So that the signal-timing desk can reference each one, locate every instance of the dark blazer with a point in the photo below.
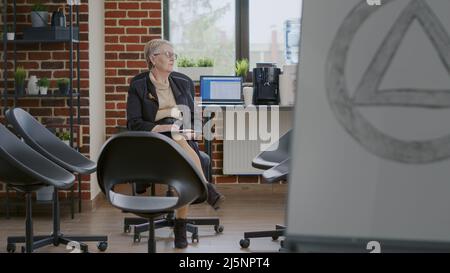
(142, 102)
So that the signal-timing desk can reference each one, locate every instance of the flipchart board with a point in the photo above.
(371, 146)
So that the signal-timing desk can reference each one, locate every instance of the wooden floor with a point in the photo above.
(241, 212)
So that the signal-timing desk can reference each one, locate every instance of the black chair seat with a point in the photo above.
(47, 144)
(267, 163)
(274, 155)
(277, 173)
(22, 166)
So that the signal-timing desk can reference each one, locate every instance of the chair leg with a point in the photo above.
(7, 202)
(28, 225)
(151, 236)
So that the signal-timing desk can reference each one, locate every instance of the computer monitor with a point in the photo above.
(221, 89)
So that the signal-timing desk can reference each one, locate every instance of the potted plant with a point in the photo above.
(194, 69)
(63, 86)
(205, 62)
(10, 34)
(39, 15)
(65, 137)
(43, 84)
(19, 77)
(241, 69)
(205, 66)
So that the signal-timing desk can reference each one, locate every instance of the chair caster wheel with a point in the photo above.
(274, 237)
(102, 246)
(245, 243)
(195, 238)
(137, 238)
(11, 248)
(218, 228)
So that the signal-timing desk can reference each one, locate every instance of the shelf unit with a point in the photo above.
(73, 95)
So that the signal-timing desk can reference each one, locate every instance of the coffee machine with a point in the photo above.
(266, 84)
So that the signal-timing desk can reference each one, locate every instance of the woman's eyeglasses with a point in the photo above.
(168, 54)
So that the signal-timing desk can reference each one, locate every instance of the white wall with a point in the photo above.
(96, 83)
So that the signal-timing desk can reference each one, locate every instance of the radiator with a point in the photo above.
(238, 154)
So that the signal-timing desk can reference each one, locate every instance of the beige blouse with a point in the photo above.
(167, 105)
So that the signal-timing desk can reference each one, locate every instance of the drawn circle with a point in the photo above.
(372, 139)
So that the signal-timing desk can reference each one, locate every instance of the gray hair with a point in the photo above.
(152, 47)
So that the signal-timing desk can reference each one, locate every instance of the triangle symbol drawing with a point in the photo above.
(368, 92)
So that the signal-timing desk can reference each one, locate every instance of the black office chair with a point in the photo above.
(50, 146)
(141, 224)
(275, 161)
(143, 157)
(25, 170)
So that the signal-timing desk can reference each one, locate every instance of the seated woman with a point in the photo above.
(152, 102)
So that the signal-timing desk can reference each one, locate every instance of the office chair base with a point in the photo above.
(275, 234)
(72, 242)
(142, 225)
(56, 238)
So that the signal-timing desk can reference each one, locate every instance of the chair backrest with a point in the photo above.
(21, 166)
(48, 144)
(149, 158)
(275, 154)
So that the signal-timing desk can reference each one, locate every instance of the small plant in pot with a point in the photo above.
(19, 77)
(241, 69)
(43, 84)
(194, 69)
(65, 137)
(185, 62)
(10, 35)
(205, 62)
(63, 86)
(39, 15)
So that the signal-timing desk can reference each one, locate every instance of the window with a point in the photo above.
(274, 31)
(264, 30)
(204, 28)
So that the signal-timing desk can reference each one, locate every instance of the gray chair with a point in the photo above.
(25, 170)
(46, 143)
(143, 157)
(275, 161)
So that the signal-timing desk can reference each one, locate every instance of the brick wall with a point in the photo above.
(128, 26)
(52, 61)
